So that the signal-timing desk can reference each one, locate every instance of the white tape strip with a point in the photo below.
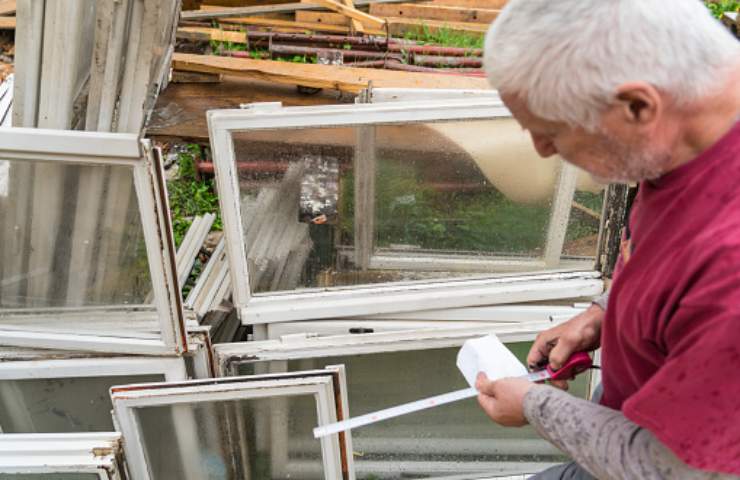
(406, 408)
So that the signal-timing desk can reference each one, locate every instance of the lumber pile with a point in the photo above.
(278, 42)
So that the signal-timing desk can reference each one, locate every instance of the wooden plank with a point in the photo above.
(356, 25)
(295, 26)
(326, 18)
(369, 20)
(487, 4)
(7, 7)
(435, 12)
(400, 26)
(207, 11)
(397, 26)
(7, 23)
(347, 79)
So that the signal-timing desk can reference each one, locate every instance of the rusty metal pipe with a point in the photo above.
(437, 61)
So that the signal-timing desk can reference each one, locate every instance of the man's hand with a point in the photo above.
(503, 400)
(556, 345)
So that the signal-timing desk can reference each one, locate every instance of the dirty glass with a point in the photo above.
(61, 405)
(49, 476)
(582, 235)
(450, 439)
(445, 199)
(71, 236)
(262, 439)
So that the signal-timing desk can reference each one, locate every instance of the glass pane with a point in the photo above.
(61, 405)
(581, 238)
(71, 236)
(443, 199)
(451, 439)
(49, 476)
(269, 438)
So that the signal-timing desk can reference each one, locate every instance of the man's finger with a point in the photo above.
(483, 385)
(540, 350)
(567, 345)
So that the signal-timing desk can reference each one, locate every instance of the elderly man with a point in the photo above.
(638, 91)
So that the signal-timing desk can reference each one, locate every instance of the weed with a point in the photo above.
(445, 36)
(719, 8)
(190, 196)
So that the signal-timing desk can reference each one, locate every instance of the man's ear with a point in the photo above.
(638, 103)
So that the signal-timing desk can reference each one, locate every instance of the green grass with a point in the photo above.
(719, 8)
(190, 196)
(445, 37)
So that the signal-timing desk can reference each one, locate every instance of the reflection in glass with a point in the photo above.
(466, 191)
(61, 405)
(446, 440)
(71, 236)
(261, 439)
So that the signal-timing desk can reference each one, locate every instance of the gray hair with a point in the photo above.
(567, 57)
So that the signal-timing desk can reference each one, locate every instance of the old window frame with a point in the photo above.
(310, 304)
(72, 453)
(276, 353)
(318, 383)
(106, 149)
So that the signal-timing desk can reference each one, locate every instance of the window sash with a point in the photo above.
(319, 384)
(101, 149)
(81, 453)
(309, 304)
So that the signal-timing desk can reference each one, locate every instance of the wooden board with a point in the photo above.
(181, 108)
(397, 26)
(7, 23)
(368, 20)
(346, 79)
(356, 25)
(487, 4)
(434, 12)
(7, 7)
(285, 25)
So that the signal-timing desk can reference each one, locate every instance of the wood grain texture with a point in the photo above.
(357, 27)
(7, 23)
(367, 19)
(396, 25)
(345, 79)
(487, 4)
(285, 25)
(434, 12)
(7, 7)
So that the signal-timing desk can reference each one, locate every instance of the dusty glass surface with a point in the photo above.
(447, 440)
(61, 405)
(582, 235)
(439, 193)
(71, 236)
(49, 476)
(264, 439)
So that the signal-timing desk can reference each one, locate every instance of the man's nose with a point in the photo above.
(544, 146)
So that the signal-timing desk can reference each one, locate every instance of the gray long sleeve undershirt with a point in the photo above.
(603, 441)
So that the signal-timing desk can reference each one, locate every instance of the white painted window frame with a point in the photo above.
(301, 347)
(374, 299)
(74, 453)
(276, 353)
(101, 149)
(319, 384)
(472, 317)
(26, 365)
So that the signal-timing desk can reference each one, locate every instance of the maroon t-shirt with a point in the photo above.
(671, 338)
